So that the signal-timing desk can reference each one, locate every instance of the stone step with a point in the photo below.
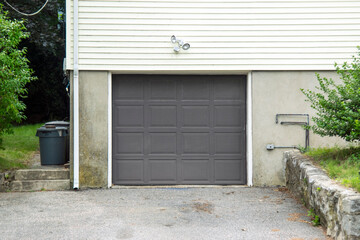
(39, 185)
(42, 174)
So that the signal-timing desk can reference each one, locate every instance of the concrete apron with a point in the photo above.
(177, 186)
(156, 213)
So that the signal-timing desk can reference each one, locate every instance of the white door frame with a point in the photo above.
(249, 153)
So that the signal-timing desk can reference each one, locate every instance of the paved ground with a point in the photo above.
(161, 213)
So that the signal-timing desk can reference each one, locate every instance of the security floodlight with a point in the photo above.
(180, 44)
(186, 46)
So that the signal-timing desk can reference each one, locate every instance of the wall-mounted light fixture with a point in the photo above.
(180, 44)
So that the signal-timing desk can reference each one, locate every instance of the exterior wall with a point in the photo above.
(231, 37)
(93, 136)
(274, 93)
(235, 35)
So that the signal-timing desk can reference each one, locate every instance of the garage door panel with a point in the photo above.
(195, 89)
(162, 90)
(229, 116)
(162, 171)
(229, 143)
(196, 116)
(196, 170)
(163, 116)
(131, 170)
(162, 143)
(231, 89)
(128, 89)
(196, 143)
(129, 143)
(179, 129)
(228, 170)
(129, 116)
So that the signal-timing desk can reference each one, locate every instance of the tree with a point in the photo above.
(46, 98)
(338, 105)
(14, 72)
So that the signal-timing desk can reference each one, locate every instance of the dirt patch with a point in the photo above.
(296, 217)
(271, 200)
(229, 193)
(203, 207)
(281, 189)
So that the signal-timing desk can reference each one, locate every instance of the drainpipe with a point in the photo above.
(76, 96)
(249, 152)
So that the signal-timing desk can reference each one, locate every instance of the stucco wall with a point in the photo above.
(273, 92)
(279, 93)
(93, 136)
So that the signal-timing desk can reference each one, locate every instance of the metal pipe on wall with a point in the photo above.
(76, 97)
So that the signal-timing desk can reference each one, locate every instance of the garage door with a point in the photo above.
(178, 129)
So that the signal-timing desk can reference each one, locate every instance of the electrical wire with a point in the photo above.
(27, 14)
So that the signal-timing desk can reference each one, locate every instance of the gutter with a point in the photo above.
(76, 95)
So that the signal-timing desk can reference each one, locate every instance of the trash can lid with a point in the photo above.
(57, 131)
(58, 123)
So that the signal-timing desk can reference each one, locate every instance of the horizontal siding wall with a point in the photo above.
(237, 35)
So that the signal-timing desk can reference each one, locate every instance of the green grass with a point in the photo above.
(19, 147)
(342, 164)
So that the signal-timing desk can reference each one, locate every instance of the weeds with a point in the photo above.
(18, 147)
(315, 219)
(341, 164)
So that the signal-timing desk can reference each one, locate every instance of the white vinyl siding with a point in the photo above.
(230, 35)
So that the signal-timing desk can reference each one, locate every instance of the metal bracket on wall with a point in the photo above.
(301, 123)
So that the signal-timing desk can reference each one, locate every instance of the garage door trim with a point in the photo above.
(249, 162)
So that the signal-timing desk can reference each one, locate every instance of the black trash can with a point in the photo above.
(52, 145)
(67, 143)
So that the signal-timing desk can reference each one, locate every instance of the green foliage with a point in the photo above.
(315, 219)
(303, 149)
(19, 147)
(46, 98)
(338, 105)
(342, 164)
(14, 72)
(305, 181)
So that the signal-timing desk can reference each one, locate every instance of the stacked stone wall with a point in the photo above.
(338, 207)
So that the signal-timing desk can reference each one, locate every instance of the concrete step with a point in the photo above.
(38, 185)
(42, 174)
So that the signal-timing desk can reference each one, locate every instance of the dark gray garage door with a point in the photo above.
(174, 129)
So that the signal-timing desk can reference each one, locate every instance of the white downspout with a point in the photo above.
(76, 95)
(249, 153)
(109, 130)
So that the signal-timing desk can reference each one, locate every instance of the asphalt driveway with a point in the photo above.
(156, 213)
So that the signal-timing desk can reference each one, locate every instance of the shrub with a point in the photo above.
(338, 105)
(14, 72)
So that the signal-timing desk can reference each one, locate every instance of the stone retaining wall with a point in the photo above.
(337, 206)
(5, 179)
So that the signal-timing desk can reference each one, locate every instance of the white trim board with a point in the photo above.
(109, 130)
(249, 155)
